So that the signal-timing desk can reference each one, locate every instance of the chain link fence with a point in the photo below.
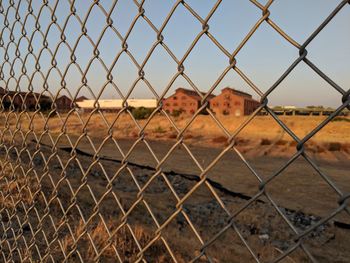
(64, 200)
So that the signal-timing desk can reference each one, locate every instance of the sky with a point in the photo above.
(263, 59)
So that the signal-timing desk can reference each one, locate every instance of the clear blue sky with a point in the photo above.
(263, 59)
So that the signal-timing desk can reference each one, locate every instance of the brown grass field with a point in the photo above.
(262, 130)
(261, 137)
(35, 179)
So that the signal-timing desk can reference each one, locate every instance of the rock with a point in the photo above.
(264, 237)
(26, 227)
(95, 174)
(38, 161)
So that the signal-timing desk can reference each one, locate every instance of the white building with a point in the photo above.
(114, 105)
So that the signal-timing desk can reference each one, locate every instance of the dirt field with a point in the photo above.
(71, 187)
(68, 200)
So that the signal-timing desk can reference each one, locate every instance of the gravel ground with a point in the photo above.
(259, 224)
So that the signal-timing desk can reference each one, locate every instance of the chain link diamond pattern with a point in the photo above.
(52, 206)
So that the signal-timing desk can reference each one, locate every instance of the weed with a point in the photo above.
(141, 113)
(265, 142)
(219, 139)
(334, 146)
(159, 129)
(339, 119)
(177, 113)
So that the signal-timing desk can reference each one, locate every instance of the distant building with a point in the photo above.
(184, 100)
(81, 98)
(115, 105)
(233, 102)
(63, 103)
(20, 100)
(289, 107)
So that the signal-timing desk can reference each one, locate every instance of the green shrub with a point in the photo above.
(159, 129)
(141, 113)
(334, 147)
(177, 113)
(341, 119)
(265, 141)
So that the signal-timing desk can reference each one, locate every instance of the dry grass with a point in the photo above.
(262, 128)
(89, 242)
(113, 240)
(219, 139)
(107, 243)
(332, 139)
(15, 187)
(203, 125)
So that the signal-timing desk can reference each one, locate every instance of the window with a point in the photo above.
(174, 98)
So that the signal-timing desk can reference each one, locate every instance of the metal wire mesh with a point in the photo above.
(61, 204)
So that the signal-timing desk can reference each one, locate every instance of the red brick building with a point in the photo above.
(233, 102)
(63, 103)
(184, 100)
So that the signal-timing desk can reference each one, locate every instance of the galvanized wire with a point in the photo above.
(27, 205)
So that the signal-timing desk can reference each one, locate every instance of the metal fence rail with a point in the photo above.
(53, 207)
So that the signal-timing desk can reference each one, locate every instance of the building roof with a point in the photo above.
(237, 92)
(63, 97)
(81, 98)
(22, 93)
(193, 93)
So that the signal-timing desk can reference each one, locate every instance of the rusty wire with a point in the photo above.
(39, 245)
